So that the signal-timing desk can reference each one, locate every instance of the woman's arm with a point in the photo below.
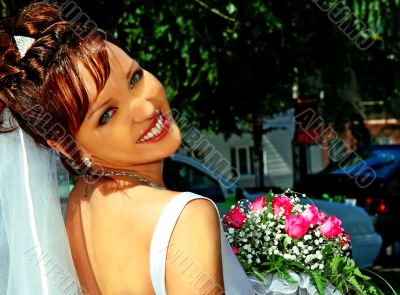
(194, 264)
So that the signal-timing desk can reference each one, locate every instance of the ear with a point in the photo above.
(59, 148)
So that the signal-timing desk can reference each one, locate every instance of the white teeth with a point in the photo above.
(154, 131)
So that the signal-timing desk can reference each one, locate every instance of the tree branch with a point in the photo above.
(216, 11)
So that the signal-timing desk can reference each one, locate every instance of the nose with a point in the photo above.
(141, 110)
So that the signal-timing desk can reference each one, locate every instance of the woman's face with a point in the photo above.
(115, 130)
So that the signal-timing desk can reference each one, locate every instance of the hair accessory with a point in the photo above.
(23, 44)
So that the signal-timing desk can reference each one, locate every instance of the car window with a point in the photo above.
(196, 178)
(382, 161)
(184, 177)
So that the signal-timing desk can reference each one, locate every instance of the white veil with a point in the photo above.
(35, 255)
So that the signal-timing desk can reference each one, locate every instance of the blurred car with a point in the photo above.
(371, 177)
(365, 242)
(184, 173)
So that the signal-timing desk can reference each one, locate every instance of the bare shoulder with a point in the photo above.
(200, 211)
(195, 251)
(199, 220)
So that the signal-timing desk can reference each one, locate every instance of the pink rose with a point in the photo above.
(282, 202)
(258, 204)
(235, 218)
(235, 250)
(312, 215)
(323, 216)
(296, 226)
(331, 227)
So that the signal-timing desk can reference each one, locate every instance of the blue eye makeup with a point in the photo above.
(107, 116)
(137, 75)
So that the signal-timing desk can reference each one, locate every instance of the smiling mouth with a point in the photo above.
(157, 131)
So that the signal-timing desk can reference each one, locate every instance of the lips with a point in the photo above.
(156, 129)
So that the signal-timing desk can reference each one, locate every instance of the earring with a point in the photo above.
(86, 160)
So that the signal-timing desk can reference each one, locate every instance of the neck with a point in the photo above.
(151, 171)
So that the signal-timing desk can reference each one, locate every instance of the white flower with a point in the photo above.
(314, 266)
(231, 230)
(258, 260)
(249, 256)
(295, 250)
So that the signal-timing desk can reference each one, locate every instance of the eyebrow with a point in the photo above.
(99, 108)
(128, 76)
(107, 100)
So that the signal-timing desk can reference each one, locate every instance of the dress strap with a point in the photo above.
(162, 235)
(235, 279)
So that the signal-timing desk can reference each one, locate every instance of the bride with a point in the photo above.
(65, 86)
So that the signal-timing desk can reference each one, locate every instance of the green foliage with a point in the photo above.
(346, 276)
(281, 266)
(319, 281)
(341, 272)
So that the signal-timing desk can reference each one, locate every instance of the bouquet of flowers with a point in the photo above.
(277, 236)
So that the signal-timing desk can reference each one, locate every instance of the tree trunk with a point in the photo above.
(258, 149)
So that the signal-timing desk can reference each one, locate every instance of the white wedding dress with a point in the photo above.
(236, 281)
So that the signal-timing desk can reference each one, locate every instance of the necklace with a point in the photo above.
(134, 175)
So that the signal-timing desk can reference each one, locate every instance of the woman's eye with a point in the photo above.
(136, 77)
(106, 116)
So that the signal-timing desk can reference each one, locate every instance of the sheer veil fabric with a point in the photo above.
(35, 256)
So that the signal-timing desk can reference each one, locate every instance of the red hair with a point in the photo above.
(44, 90)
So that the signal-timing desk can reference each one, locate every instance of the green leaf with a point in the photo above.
(269, 198)
(354, 282)
(287, 241)
(319, 282)
(358, 273)
(231, 8)
(284, 273)
(259, 275)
